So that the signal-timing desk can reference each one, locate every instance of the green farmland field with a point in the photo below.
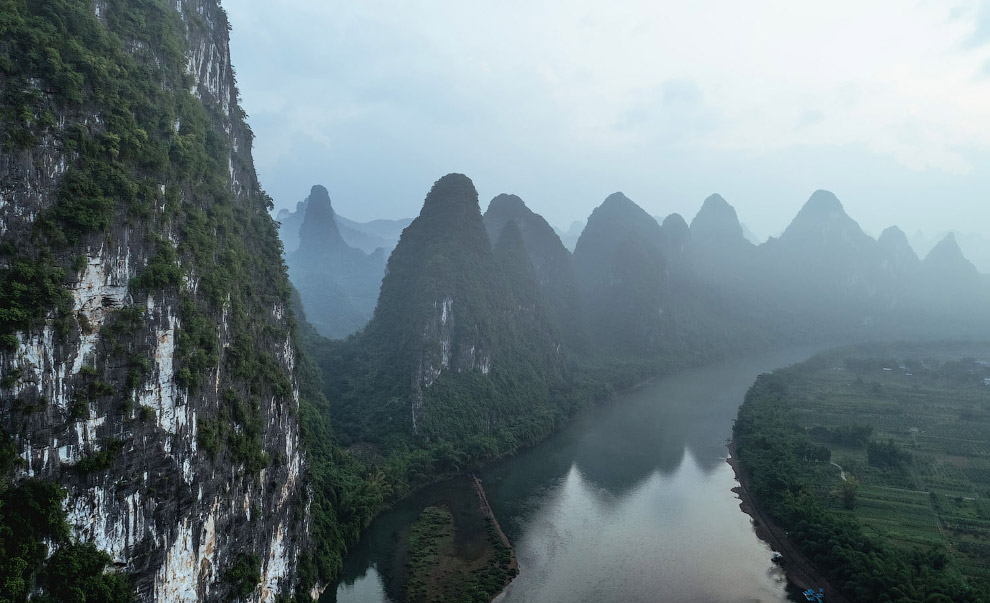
(909, 424)
(933, 404)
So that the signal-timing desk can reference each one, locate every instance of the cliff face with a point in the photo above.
(160, 389)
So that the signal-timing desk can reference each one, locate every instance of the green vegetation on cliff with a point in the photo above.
(458, 364)
(346, 494)
(38, 557)
(127, 152)
(908, 424)
(153, 144)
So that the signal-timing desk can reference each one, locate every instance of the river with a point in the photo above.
(631, 502)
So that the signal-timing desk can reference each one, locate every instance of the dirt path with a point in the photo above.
(800, 571)
(486, 510)
(842, 472)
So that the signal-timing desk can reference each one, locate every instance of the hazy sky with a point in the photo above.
(886, 103)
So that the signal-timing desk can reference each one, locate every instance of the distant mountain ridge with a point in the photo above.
(823, 272)
(975, 247)
(551, 261)
(337, 283)
(570, 236)
(488, 333)
(366, 236)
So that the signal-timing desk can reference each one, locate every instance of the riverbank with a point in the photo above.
(609, 447)
(800, 571)
(486, 511)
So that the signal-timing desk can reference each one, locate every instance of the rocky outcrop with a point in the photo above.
(435, 304)
(141, 392)
(462, 348)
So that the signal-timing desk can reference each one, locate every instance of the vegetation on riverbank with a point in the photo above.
(909, 426)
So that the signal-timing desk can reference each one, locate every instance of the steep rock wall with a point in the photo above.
(98, 393)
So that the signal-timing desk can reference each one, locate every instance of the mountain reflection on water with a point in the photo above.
(631, 502)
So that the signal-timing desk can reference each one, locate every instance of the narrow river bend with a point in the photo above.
(631, 502)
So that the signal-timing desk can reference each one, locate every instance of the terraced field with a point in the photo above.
(932, 404)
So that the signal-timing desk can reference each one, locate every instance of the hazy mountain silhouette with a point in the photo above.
(896, 252)
(571, 235)
(948, 278)
(825, 263)
(366, 236)
(677, 244)
(721, 252)
(338, 284)
(550, 259)
(976, 247)
(621, 270)
(369, 236)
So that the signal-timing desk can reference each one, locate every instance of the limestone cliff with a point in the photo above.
(147, 356)
(461, 350)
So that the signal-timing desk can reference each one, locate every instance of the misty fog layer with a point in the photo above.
(822, 275)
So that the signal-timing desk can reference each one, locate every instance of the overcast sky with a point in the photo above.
(886, 103)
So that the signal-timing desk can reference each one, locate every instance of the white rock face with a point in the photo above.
(439, 355)
(178, 579)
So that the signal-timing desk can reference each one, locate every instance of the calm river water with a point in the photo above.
(631, 502)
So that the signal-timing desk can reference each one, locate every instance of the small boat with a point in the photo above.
(813, 595)
(777, 558)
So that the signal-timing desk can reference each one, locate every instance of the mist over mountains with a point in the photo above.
(337, 283)
(976, 247)
(488, 332)
(627, 269)
(199, 403)
(366, 236)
